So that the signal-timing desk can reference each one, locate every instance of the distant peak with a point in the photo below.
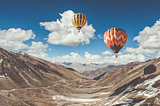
(21, 52)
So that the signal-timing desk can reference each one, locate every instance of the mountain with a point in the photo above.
(98, 73)
(23, 70)
(137, 85)
(82, 67)
(25, 78)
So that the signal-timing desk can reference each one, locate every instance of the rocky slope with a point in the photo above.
(25, 79)
(22, 70)
(137, 85)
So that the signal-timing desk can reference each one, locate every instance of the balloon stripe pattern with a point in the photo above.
(115, 39)
(79, 20)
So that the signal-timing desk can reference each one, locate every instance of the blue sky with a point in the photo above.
(43, 28)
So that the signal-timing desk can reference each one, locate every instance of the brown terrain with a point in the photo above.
(30, 81)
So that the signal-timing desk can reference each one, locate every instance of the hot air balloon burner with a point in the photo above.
(116, 55)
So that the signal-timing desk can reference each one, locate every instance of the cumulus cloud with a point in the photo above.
(18, 34)
(148, 41)
(107, 53)
(89, 58)
(73, 57)
(12, 45)
(62, 32)
(140, 50)
(12, 39)
(92, 57)
(38, 49)
(125, 58)
(149, 38)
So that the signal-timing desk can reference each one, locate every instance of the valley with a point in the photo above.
(30, 81)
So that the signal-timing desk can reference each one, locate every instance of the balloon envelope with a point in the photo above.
(115, 39)
(79, 20)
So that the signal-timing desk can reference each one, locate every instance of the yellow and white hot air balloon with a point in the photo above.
(79, 20)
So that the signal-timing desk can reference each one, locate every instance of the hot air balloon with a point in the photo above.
(79, 20)
(115, 39)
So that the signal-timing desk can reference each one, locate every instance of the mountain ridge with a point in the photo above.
(82, 67)
(26, 71)
(132, 85)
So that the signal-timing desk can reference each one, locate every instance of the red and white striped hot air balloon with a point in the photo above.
(115, 39)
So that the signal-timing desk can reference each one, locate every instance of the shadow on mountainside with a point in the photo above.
(149, 69)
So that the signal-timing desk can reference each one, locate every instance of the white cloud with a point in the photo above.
(73, 57)
(107, 53)
(62, 32)
(158, 54)
(111, 59)
(149, 41)
(41, 55)
(92, 57)
(12, 45)
(132, 57)
(12, 39)
(100, 36)
(125, 58)
(18, 34)
(149, 38)
(38, 49)
(140, 50)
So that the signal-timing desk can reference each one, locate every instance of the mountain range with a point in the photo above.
(98, 73)
(26, 80)
(82, 67)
